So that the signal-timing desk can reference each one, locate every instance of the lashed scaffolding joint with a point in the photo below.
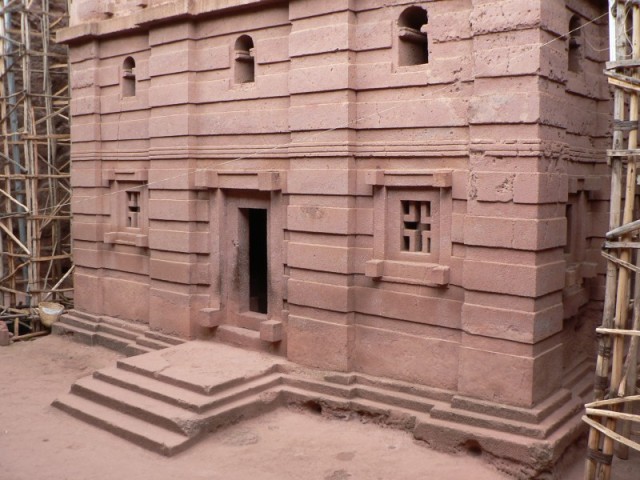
(35, 263)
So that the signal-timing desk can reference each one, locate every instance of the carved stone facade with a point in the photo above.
(412, 190)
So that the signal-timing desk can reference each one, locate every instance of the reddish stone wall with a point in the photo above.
(483, 148)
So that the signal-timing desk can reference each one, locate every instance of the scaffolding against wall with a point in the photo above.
(35, 190)
(612, 416)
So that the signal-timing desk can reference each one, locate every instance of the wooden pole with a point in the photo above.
(604, 347)
(622, 294)
(34, 166)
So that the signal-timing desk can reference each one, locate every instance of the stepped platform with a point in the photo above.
(166, 400)
(128, 338)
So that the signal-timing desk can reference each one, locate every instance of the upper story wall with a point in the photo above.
(512, 65)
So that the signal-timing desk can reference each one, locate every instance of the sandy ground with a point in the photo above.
(38, 442)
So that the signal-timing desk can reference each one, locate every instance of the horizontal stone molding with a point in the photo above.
(431, 149)
(126, 175)
(268, 181)
(409, 178)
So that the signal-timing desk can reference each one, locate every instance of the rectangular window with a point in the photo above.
(129, 216)
(415, 244)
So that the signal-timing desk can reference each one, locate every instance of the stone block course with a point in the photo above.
(511, 324)
(289, 188)
(322, 39)
(521, 234)
(523, 280)
(391, 354)
(333, 353)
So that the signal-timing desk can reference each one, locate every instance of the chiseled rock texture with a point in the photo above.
(411, 190)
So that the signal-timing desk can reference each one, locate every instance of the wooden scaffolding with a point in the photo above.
(35, 263)
(612, 416)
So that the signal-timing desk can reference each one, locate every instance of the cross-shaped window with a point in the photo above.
(416, 231)
(133, 209)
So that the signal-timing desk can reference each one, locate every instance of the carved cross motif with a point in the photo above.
(416, 232)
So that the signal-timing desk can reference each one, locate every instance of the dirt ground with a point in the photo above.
(38, 442)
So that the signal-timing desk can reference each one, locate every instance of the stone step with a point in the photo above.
(449, 436)
(125, 337)
(112, 342)
(542, 430)
(169, 339)
(359, 392)
(397, 416)
(157, 412)
(118, 331)
(151, 343)
(78, 334)
(396, 399)
(251, 320)
(576, 375)
(421, 391)
(241, 337)
(533, 415)
(584, 389)
(84, 315)
(487, 421)
(141, 433)
(140, 369)
(318, 387)
(242, 409)
(74, 321)
(140, 328)
(154, 388)
(181, 397)
(154, 424)
(562, 415)
(133, 349)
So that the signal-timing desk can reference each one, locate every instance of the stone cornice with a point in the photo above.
(144, 18)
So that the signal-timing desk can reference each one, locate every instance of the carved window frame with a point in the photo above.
(122, 183)
(391, 262)
(579, 265)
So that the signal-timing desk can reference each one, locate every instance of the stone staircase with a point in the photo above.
(579, 379)
(165, 405)
(122, 336)
(159, 415)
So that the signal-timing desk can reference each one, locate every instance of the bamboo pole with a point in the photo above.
(628, 382)
(34, 165)
(603, 361)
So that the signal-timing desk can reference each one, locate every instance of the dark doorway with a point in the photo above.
(258, 299)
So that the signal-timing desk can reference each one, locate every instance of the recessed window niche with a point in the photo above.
(413, 45)
(245, 62)
(129, 77)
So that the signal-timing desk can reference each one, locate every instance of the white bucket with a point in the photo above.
(49, 312)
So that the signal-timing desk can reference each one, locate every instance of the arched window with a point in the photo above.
(129, 77)
(575, 45)
(413, 46)
(245, 62)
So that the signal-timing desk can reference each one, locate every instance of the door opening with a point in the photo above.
(258, 254)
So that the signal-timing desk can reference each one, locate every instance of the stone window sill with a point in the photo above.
(415, 273)
(135, 239)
